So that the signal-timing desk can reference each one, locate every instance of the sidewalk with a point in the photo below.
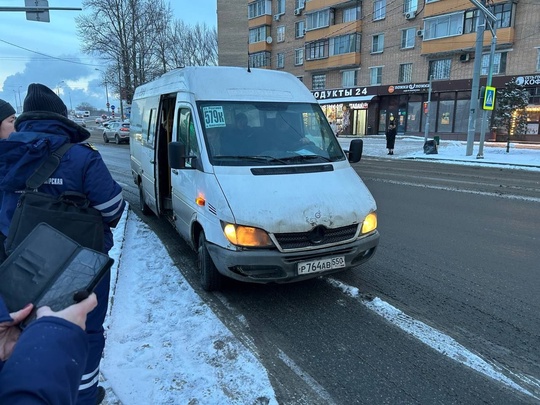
(525, 156)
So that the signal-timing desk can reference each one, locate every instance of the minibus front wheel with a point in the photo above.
(209, 276)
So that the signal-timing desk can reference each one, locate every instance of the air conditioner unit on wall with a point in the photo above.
(420, 33)
(410, 15)
(464, 57)
(276, 17)
(297, 11)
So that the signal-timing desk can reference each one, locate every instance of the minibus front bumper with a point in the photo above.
(273, 266)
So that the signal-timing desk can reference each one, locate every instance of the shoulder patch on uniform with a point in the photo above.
(89, 145)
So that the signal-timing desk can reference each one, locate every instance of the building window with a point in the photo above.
(318, 82)
(299, 56)
(410, 6)
(280, 61)
(299, 3)
(351, 14)
(471, 18)
(405, 73)
(377, 43)
(259, 59)
(299, 29)
(281, 33)
(259, 7)
(440, 69)
(503, 12)
(379, 9)
(317, 50)
(375, 75)
(499, 63)
(259, 34)
(280, 6)
(318, 19)
(348, 78)
(344, 44)
(444, 26)
(407, 38)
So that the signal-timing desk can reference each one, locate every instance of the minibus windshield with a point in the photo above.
(244, 133)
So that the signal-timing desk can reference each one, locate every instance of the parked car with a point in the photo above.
(117, 131)
(99, 120)
(80, 121)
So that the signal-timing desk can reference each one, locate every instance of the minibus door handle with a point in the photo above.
(174, 171)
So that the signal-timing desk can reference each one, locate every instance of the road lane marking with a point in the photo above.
(438, 341)
(484, 193)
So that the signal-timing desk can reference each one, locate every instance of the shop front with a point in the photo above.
(368, 110)
(348, 108)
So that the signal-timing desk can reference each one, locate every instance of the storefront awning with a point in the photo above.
(357, 99)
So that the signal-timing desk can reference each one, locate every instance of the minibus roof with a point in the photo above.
(229, 83)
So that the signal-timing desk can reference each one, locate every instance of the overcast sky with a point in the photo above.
(49, 53)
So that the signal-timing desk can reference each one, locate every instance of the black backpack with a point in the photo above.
(70, 212)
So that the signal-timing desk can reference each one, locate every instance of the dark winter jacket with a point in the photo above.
(81, 169)
(46, 365)
(391, 133)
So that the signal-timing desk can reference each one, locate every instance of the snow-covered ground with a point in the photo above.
(166, 346)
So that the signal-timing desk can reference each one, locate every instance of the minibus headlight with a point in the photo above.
(246, 236)
(370, 223)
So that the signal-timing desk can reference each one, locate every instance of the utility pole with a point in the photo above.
(493, 30)
(120, 93)
(480, 28)
(426, 127)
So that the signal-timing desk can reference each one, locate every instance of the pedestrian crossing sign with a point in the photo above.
(489, 98)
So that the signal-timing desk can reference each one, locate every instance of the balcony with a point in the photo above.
(345, 60)
(318, 4)
(333, 30)
(505, 36)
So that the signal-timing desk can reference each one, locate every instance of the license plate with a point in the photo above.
(315, 266)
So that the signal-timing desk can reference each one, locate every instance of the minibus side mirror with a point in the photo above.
(177, 155)
(355, 150)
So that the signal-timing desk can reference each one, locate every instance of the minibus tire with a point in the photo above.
(145, 209)
(209, 276)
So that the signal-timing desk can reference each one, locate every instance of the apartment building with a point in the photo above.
(367, 61)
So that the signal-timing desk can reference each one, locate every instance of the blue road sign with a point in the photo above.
(112, 107)
(489, 98)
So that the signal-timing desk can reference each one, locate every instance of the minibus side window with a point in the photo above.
(186, 134)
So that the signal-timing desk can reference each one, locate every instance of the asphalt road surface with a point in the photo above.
(459, 251)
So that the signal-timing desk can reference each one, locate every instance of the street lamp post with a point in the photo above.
(19, 110)
(106, 90)
(120, 91)
(58, 87)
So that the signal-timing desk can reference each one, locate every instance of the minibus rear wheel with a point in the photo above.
(209, 276)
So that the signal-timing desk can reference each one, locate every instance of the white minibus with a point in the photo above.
(246, 167)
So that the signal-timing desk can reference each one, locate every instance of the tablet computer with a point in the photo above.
(48, 268)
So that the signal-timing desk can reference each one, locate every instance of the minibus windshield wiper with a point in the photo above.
(301, 158)
(263, 158)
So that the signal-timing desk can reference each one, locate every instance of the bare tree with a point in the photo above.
(139, 40)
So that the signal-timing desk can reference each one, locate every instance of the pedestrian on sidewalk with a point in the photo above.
(391, 136)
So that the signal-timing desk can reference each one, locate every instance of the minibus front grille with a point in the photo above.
(325, 236)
